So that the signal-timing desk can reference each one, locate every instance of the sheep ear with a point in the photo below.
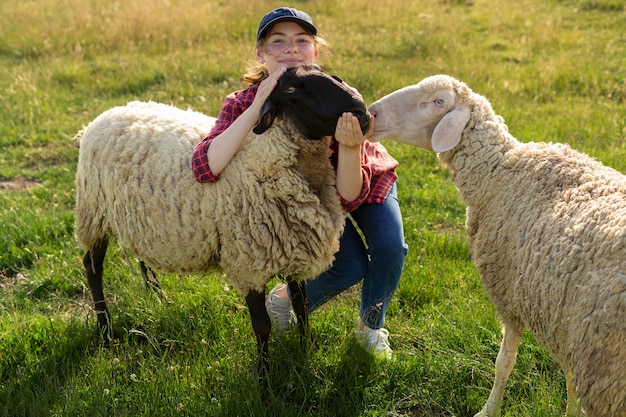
(447, 133)
(266, 117)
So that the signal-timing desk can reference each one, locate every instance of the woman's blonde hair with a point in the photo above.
(256, 71)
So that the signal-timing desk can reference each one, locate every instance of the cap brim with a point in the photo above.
(301, 22)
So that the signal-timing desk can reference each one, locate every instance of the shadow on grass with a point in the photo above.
(51, 366)
(314, 382)
(36, 363)
(349, 380)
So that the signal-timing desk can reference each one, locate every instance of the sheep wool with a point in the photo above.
(546, 228)
(293, 217)
(266, 215)
(275, 210)
(134, 175)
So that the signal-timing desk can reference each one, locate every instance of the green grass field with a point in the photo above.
(554, 69)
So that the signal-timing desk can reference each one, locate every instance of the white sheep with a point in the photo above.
(274, 211)
(546, 228)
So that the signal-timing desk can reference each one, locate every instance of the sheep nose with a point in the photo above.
(364, 120)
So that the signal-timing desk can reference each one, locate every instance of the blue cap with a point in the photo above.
(285, 14)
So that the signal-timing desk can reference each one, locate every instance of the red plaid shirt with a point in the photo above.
(378, 167)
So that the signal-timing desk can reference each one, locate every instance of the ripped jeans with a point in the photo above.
(378, 261)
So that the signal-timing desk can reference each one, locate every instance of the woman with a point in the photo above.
(365, 182)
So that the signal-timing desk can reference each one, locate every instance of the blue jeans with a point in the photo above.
(378, 261)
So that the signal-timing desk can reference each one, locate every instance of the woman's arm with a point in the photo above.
(349, 173)
(226, 144)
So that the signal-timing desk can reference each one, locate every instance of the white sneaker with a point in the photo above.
(375, 341)
(280, 310)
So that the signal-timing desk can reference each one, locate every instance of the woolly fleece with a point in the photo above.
(546, 228)
(275, 209)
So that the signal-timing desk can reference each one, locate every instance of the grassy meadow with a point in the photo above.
(554, 69)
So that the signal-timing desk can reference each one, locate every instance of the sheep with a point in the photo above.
(274, 212)
(546, 229)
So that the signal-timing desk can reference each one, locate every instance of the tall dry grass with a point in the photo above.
(554, 69)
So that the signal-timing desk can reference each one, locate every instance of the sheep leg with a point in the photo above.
(504, 365)
(301, 308)
(151, 280)
(262, 327)
(93, 262)
(574, 408)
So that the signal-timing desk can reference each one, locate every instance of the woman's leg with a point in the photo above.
(379, 265)
(381, 225)
(348, 268)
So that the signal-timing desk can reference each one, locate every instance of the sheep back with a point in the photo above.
(134, 176)
(275, 209)
(282, 214)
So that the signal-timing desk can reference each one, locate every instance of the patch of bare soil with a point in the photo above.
(17, 183)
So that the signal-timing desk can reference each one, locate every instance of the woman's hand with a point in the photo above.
(267, 86)
(227, 143)
(348, 131)
(349, 174)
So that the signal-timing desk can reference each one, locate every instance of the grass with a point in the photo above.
(555, 70)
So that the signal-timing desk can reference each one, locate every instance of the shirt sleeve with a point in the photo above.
(231, 109)
(379, 175)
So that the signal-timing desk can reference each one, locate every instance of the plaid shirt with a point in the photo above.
(377, 166)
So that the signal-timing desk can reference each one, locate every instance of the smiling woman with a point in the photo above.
(274, 212)
(554, 68)
(372, 248)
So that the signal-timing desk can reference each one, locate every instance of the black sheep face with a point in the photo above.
(314, 101)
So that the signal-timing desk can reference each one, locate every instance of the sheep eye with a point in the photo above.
(439, 102)
(290, 90)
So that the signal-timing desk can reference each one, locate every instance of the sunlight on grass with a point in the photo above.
(554, 70)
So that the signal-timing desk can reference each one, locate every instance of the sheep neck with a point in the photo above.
(313, 157)
(474, 163)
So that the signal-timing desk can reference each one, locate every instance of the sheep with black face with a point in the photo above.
(275, 210)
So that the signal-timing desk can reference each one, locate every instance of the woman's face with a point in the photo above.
(287, 44)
